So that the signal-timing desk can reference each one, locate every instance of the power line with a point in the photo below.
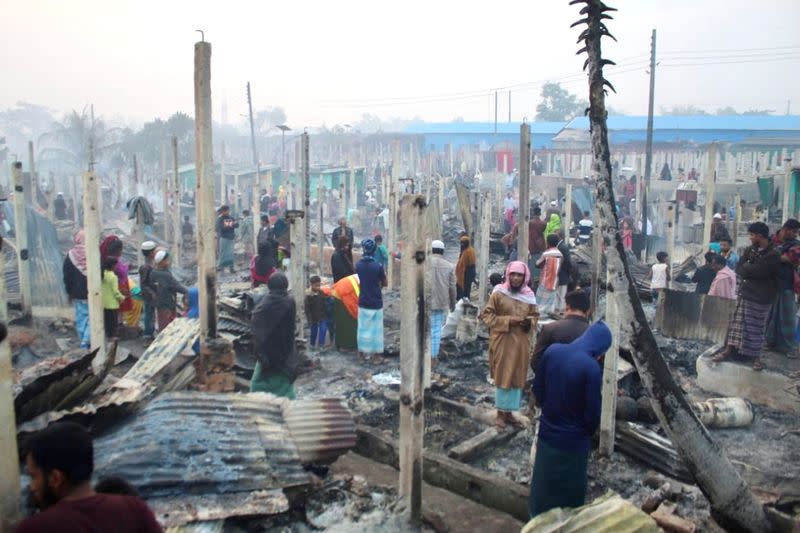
(793, 58)
(725, 50)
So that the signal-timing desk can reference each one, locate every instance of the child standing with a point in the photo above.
(166, 289)
(659, 275)
(111, 296)
(549, 265)
(315, 312)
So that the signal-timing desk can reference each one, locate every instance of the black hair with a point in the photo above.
(115, 247)
(537, 211)
(246, 212)
(586, 213)
(115, 485)
(3, 331)
(578, 300)
(186, 218)
(726, 239)
(759, 228)
(719, 260)
(315, 279)
(378, 238)
(792, 223)
(109, 263)
(709, 256)
(553, 240)
(64, 446)
(495, 278)
(661, 256)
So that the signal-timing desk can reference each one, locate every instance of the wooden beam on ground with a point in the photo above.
(9, 454)
(524, 191)
(473, 447)
(21, 239)
(206, 238)
(440, 471)
(609, 391)
(414, 336)
(711, 178)
(94, 280)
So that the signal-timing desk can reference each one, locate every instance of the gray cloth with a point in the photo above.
(443, 284)
(166, 289)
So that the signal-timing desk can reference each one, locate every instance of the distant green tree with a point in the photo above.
(683, 110)
(726, 111)
(758, 112)
(558, 104)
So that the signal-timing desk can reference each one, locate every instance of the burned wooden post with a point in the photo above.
(177, 230)
(669, 232)
(9, 454)
(165, 192)
(21, 239)
(597, 260)
(391, 233)
(255, 210)
(567, 214)
(711, 178)
(524, 191)
(737, 219)
(94, 279)
(297, 234)
(414, 334)
(32, 189)
(787, 186)
(206, 238)
(483, 251)
(223, 179)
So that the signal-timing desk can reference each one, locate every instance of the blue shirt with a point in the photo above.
(732, 260)
(567, 386)
(370, 277)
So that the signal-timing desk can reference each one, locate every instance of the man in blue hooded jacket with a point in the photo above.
(567, 386)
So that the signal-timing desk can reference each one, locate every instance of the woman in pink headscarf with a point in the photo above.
(74, 272)
(510, 315)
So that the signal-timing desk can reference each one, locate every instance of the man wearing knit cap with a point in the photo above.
(167, 288)
(443, 294)
(758, 269)
(148, 288)
(370, 302)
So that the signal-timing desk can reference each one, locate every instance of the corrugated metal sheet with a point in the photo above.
(688, 315)
(608, 513)
(650, 448)
(206, 513)
(322, 429)
(171, 343)
(45, 258)
(701, 122)
(202, 443)
(424, 128)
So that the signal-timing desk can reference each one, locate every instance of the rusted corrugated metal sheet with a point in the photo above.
(321, 429)
(206, 513)
(608, 513)
(688, 315)
(202, 443)
(650, 448)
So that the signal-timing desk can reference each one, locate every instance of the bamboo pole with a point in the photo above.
(414, 334)
(568, 214)
(164, 191)
(76, 214)
(177, 236)
(206, 239)
(597, 258)
(670, 231)
(483, 251)
(787, 185)
(391, 235)
(32, 195)
(710, 185)
(737, 219)
(22, 240)
(9, 455)
(320, 227)
(609, 392)
(524, 191)
(94, 280)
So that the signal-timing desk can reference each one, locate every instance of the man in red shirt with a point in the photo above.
(536, 243)
(60, 461)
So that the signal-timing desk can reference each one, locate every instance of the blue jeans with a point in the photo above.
(318, 332)
(149, 319)
(82, 321)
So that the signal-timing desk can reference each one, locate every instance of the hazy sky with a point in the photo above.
(331, 61)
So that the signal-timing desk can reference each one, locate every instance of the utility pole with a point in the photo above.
(94, 279)
(206, 239)
(256, 162)
(22, 241)
(9, 453)
(524, 191)
(414, 337)
(305, 195)
(649, 147)
(177, 231)
(711, 175)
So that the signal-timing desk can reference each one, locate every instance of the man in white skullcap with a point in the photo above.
(167, 288)
(443, 294)
(148, 289)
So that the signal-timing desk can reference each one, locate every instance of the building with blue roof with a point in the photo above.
(437, 135)
(781, 130)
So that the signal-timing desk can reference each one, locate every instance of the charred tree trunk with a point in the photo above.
(732, 503)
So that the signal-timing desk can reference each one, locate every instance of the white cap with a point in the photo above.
(437, 245)
(554, 203)
(161, 255)
(717, 216)
(148, 245)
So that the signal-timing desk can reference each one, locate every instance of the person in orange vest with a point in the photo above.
(345, 294)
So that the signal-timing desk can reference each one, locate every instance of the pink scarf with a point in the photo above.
(77, 254)
(524, 294)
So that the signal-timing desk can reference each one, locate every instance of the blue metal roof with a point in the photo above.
(424, 128)
(701, 122)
